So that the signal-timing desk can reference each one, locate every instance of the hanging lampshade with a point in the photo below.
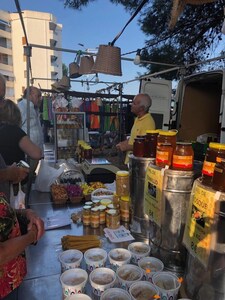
(62, 85)
(74, 70)
(108, 60)
(86, 64)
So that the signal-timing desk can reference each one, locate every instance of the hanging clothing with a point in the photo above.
(95, 120)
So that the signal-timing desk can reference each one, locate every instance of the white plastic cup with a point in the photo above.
(102, 279)
(70, 259)
(128, 274)
(138, 250)
(168, 285)
(95, 258)
(150, 266)
(73, 281)
(79, 297)
(148, 290)
(115, 293)
(118, 257)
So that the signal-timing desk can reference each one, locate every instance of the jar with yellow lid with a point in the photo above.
(122, 183)
(102, 214)
(151, 143)
(169, 136)
(214, 153)
(139, 146)
(95, 217)
(96, 202)
(164, 155)
(125, 209)
(87, 152)
(90, 203)
(86, 215)
(112, 219)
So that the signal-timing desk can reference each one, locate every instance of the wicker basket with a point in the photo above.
(59, 194)
(76, 199)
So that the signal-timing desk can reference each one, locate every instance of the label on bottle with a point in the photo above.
(208, 168)
(182, 162)
(162, 157)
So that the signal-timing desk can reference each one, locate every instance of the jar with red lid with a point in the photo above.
(183, 157)
(138, 147)
(169, 136)
(214, 153)
(151, 143)
(218, 180)
(164, 154)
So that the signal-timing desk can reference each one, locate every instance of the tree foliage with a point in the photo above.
(194, 38)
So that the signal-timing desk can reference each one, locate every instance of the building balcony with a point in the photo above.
(7, 68)
(5, 34)
(4, 50)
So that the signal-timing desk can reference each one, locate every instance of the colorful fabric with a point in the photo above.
(13, 272)
(95, 120)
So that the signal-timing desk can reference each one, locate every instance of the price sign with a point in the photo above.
(153, 194)
(198, 229)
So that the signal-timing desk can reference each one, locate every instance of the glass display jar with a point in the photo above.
(164, 155)
(214, 153)
(125, 209)
(151, 143)
(112, 219)
(87, 152)
(218, 180)
(169, 137)
(102, 214)
(95, 217)
(139, 146)
(122, 183)
(183, 157)
(86, 215)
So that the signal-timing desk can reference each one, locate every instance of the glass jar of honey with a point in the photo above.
(169, 137)
(125, 209)
(151, 143)
(183, 157)
(122, 183)
(87, 215)
(102, 214)
(218, 180)
(112, 219)
(164, 155)
(94, 217)
(214, 153)
(139, 146)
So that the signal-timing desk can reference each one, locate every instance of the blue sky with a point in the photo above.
(96, 24)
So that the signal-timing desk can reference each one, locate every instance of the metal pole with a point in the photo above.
(27, 53)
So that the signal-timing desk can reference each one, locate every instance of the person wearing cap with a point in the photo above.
(144, 121)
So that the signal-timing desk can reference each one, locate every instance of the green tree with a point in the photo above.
(64, 70)
(194, 37)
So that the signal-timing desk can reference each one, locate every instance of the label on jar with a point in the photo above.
(185, 162)
(208, 168)
(162, 157)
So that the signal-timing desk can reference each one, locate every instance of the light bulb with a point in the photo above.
(137, 58)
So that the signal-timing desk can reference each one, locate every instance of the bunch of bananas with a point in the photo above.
(81, 243)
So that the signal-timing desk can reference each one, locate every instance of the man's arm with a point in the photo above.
(124, 146)
(13, 173)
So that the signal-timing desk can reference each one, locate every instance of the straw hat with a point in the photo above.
(62, 85)
(108, 60)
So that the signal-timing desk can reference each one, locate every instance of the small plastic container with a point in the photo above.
(115, 293)
(79, 297)
(102, 193)
(143, 290)
(70, 259)
(102, 279)
(95, 258)
(138, 250)
(168, 284)
(150, 266)
(128, 274)
(118, 257)
(73, 281)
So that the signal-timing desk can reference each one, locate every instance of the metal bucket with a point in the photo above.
(209, 282)
(166, 241)
(137, 171)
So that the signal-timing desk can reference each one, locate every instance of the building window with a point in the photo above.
(3, 42)
(3, 58)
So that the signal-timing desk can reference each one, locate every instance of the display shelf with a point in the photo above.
(69, 127)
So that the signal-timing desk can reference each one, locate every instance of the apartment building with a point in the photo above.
(46, 64)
